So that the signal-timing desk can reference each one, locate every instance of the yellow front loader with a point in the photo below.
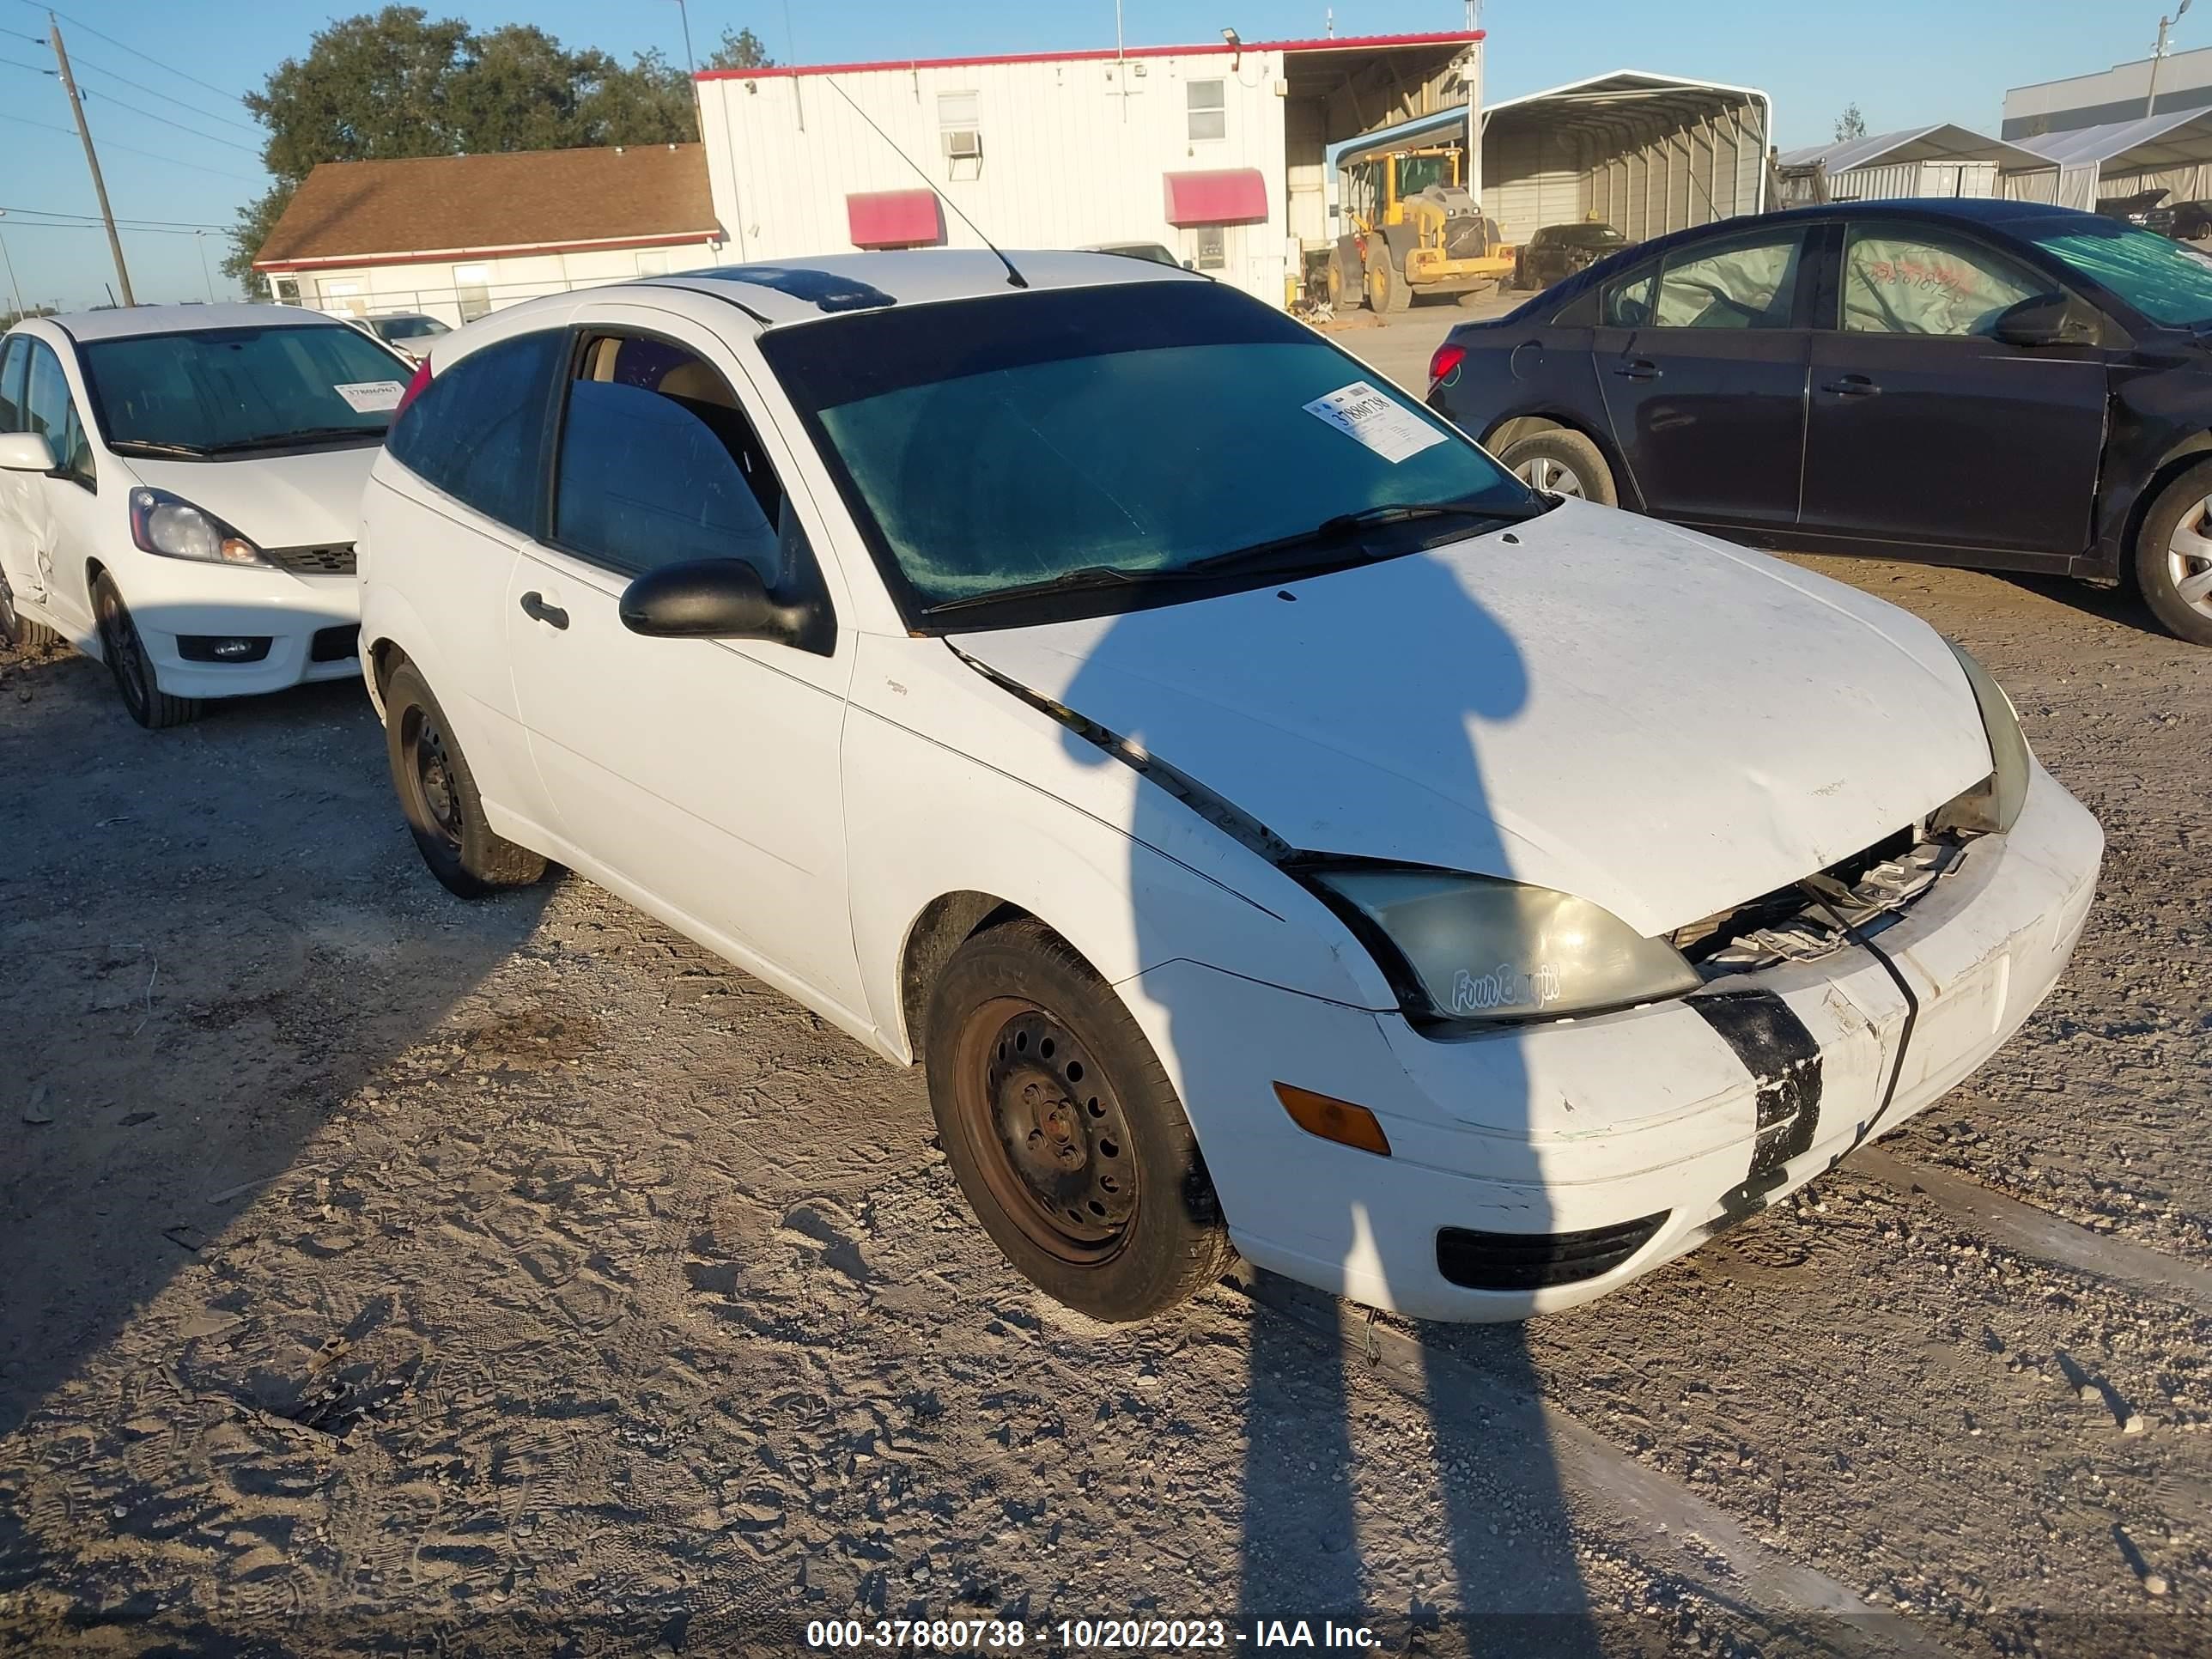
(1416, 230)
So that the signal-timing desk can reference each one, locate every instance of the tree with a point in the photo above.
(741, 49)
(1849, 124)
(397, 84)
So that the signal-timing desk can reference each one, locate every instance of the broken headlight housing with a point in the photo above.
(1991, 806)
(1476, 949)
(176, 529)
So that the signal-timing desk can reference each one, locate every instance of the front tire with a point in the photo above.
(132, 669)
(1063, 1132)
(1562, 463)
(438, 794)
(1387, 289)
(2173, 562)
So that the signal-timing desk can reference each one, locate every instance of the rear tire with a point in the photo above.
(438, 794)
(1339, 284)
(132, 669)
(1562, 463)
(2172, 559)
(19, 630)
(1064, 1131)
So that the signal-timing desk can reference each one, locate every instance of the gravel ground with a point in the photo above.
(393, 1275)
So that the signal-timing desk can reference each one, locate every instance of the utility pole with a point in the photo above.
(92, 160)
(13, 287)
(2158, 55)
(200, 236)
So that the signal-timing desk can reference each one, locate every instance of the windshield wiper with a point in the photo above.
(152, 446)
(1081, 579)
(1345, 526)
(305, 435)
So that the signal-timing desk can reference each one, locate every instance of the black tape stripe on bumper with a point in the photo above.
(1783, 1061)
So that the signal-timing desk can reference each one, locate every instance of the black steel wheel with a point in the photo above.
(1064, 1131)
(438, 794)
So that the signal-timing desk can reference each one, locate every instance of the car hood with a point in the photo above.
(1653, 721)
(308, 500)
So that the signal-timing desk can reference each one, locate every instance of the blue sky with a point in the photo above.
(1903, 62)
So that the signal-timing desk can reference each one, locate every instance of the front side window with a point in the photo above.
(13, 355)
(2165, 281)
(658, 465)
(1918, 283)
(477, 430)
(1161, 437)
(1208, 111)
(49, 411)
(227, 390)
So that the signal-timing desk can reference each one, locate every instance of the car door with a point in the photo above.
(1923, 430)
(59, 511)
(701, 775)
(19, 564)
(1701, 360)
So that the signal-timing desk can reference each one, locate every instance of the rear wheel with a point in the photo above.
(1339, 286)
(438, 794)
(19, 630)
(1561, 463)
(2172, 564)
(141, 694)
(1063, 1132)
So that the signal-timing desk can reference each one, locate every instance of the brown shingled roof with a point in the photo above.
(476, 204)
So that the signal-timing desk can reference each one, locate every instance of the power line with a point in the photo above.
(206, 115)
(107, 103)
(122, 225)
(123, 45)
(151, 155)
(39, 214)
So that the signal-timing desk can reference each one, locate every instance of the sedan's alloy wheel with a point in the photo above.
(2189, 558)
(1553, 478)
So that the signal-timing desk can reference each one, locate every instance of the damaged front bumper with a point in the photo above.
(1538, 1167)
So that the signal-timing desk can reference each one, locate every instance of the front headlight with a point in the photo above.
(173, 527)
(1991, 806)
(1473, 948)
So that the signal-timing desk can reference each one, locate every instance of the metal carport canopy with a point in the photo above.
(2153, 143)
(1942, 142)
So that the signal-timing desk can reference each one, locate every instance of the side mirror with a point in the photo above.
(721, 599)
(2048, 319)
(26, 451)
(1190, 264)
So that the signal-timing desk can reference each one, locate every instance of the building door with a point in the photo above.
(472, 290)
(346, 297)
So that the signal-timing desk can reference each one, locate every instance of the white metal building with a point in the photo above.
(2122, 92)
(1217, 152)
(1934, 161)
(1646, 153)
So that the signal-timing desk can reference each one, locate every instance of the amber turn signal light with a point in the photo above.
(1334, 1119)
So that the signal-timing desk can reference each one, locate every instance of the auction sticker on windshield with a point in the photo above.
(371, 397)
(1383, 424)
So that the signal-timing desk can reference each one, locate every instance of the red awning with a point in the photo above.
(1227, 196)
(894, 218)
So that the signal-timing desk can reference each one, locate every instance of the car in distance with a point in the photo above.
(1151, 252)
(2184, 221)
(1254, 804)
(1835, 380)
(1556, 251)
(408, 332)
(179, 491)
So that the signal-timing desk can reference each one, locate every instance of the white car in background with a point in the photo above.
(180, 486)
(1274, 824)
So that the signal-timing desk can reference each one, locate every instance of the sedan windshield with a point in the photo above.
(1171, 434)
(226, 391)
(2168, 282)
(408, 328)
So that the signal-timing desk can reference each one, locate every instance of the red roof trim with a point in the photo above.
(1341, 42)
(447, 255)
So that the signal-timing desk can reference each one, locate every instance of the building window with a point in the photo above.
(959, 123)
(1211, 249)
(471, 291)
(1209, 112)
(654, 261)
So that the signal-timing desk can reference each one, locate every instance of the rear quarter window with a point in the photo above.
(477, 430)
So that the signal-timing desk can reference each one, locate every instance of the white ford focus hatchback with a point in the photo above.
(179, 490)
(1274, 826)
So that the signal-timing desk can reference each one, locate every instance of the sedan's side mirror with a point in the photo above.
(1190, 264)
(2048, 319)
(722, 600)
(26, 451)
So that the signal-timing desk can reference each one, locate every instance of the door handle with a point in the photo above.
(1639, 368)
(1852, 385)
(535, 608)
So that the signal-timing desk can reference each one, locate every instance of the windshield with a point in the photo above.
(215, 390)
(1131, 430)
(2167, 282)
(409, 328)
(1587, 235)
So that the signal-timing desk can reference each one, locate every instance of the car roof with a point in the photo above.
(777, 292)
(125, 321)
